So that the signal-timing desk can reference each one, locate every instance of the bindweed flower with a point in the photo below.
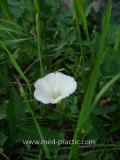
(54, 87)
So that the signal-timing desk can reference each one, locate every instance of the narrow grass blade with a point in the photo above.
(5, 9)
(15, 64)
(45, 147)
(7, 30)
(79, 32)
(117, 40)
(15, 41)
(86, 107)
(115, 49)
(105, 88)
(37, 6)
(38, 36)
(80, 7)
(3, 155)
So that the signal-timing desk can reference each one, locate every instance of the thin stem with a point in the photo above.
(78, 30)
(16, 65)
(4, 156)
(38, 30)
(36, 123)
(87, 103)
(80, 7)
(39, 41)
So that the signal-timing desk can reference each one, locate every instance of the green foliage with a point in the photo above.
(15, 112)
(86, 107)
(42, 36)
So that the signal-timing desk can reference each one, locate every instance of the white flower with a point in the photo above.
(54, 87)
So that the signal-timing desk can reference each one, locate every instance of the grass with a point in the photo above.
(38, 36)
(87, 104)
(79, 32)
(48, 36)
(15, 64)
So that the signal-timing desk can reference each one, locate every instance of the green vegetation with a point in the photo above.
(38, 37)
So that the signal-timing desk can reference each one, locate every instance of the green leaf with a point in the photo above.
(5, 9)
(91, 156)
(15, 112)
(15, 64)
(4, 79)
(117, 40)
(14, 41)
(105, 88)
(55, 116)
(51, 135)
(98, 127)
(2, 112)
(3, 138)
(8, 29)
(109, 156)
(27, 132)
(105, 109)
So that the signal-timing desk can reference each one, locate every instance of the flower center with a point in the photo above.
(55, 94)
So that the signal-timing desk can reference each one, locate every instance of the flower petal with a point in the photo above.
(70, 87)
(43, 86)
(40, 96)
(54, 87)
(65, 84)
